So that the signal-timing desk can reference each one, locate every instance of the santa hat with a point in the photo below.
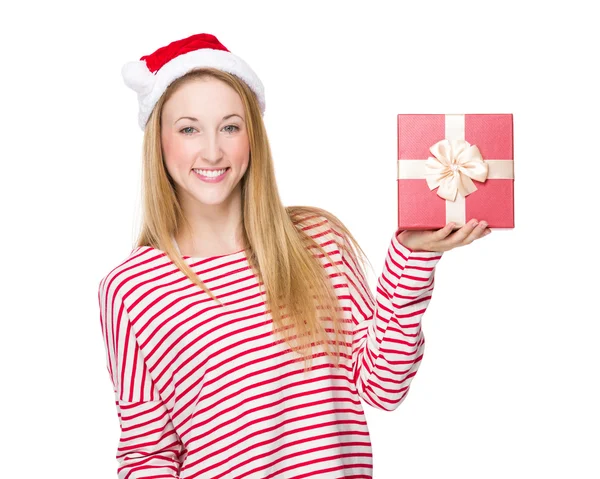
(152, 74)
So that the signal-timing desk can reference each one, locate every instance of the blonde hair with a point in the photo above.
(278, 251)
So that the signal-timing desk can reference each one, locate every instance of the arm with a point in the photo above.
(388, 341)
(148, 444)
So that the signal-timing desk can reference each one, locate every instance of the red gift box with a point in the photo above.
(455, 167)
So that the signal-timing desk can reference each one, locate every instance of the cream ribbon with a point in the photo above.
(452, 166)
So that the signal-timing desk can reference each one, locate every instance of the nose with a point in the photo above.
(211, 149)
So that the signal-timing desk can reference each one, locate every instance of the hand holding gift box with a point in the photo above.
(442, 240)
(455, 167)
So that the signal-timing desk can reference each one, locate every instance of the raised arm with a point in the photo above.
(148, 444)
(388, 340)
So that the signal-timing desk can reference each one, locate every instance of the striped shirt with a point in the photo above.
(205, 391)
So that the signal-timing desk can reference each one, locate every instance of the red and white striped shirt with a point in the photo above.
(204, 391)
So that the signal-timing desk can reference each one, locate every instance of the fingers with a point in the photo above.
(444, 232)
(472, 230)
(447, 238)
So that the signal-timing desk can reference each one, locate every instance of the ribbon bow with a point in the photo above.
(452, 166)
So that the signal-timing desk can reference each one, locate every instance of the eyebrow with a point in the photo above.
(196, 119)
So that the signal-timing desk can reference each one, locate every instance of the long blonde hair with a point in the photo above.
(278, 251)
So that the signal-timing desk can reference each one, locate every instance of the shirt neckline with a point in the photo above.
(205, 258)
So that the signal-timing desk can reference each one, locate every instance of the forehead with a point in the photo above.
(203, 98)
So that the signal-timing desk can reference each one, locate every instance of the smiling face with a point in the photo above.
(198, 131)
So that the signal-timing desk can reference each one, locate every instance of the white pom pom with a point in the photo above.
(138, 77)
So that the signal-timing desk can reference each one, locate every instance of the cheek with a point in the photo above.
(174, 152)
(241, 151)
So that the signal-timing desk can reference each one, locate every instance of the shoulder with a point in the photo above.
(319, 224)
(123, 276)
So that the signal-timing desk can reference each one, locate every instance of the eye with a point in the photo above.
(234, 126)
(187, 128)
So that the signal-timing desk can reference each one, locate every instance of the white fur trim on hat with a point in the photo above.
(150, 87)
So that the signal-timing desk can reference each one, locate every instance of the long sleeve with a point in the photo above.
(388, 340)
(148, 444)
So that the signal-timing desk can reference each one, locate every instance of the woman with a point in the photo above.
(242, 334)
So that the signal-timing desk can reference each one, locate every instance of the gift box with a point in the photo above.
(455, 167)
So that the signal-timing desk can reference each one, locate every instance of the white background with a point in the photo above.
(509, 384)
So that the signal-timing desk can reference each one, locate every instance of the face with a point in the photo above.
(198, 131)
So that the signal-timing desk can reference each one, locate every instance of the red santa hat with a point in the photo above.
(152, 74)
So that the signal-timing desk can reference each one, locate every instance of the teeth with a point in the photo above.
(210, 174)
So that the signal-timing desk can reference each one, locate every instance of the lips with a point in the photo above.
(211, 179)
